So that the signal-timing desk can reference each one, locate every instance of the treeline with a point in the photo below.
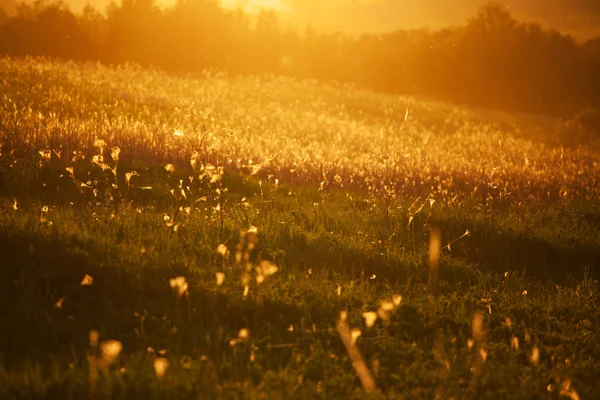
(491, 61)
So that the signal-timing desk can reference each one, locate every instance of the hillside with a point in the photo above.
(214, 236)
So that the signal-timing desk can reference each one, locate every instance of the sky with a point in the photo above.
(578, 17)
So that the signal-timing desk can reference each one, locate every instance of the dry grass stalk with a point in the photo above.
(434, 259)
(479, 353)
(366, 379)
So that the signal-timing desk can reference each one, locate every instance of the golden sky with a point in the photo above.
(579, 17)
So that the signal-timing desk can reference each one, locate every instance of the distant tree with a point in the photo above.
(43, 29)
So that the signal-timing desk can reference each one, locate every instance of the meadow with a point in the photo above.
(214, 236)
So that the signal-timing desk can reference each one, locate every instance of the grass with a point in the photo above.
(317, 181)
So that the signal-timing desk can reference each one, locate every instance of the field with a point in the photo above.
(224, 237)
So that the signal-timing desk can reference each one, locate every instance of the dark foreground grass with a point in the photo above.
(530, 272)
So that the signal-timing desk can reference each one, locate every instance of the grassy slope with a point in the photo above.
(338, 218)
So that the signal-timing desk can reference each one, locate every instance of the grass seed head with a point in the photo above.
(514, 343)
(535, 356)
(222, 250)
(94, 337)
(161, 365)
(355, 334)
(179, 285)
(244, 334)
(343, 316)
(115, 153)
(87, 280)
(220, 278)
(110, 350)
(59, 303)
(370, 318)
(477, 325)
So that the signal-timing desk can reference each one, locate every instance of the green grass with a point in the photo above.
(344, 225)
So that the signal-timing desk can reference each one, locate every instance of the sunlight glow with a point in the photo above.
(254, 5)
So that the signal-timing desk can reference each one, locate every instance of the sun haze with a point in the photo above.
(580, 18)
